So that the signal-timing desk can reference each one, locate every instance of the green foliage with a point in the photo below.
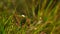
(29, 16)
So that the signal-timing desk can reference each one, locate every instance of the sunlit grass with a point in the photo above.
(30, 17)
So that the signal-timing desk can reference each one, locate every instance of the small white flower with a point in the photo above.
(23, 15)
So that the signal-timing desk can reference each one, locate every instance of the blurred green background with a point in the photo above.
(29, 16)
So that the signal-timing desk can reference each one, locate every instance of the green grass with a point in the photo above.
(29, 16)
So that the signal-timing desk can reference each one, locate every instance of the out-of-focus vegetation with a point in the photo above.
(29, 16)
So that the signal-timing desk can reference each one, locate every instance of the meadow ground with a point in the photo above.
(29, 16)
